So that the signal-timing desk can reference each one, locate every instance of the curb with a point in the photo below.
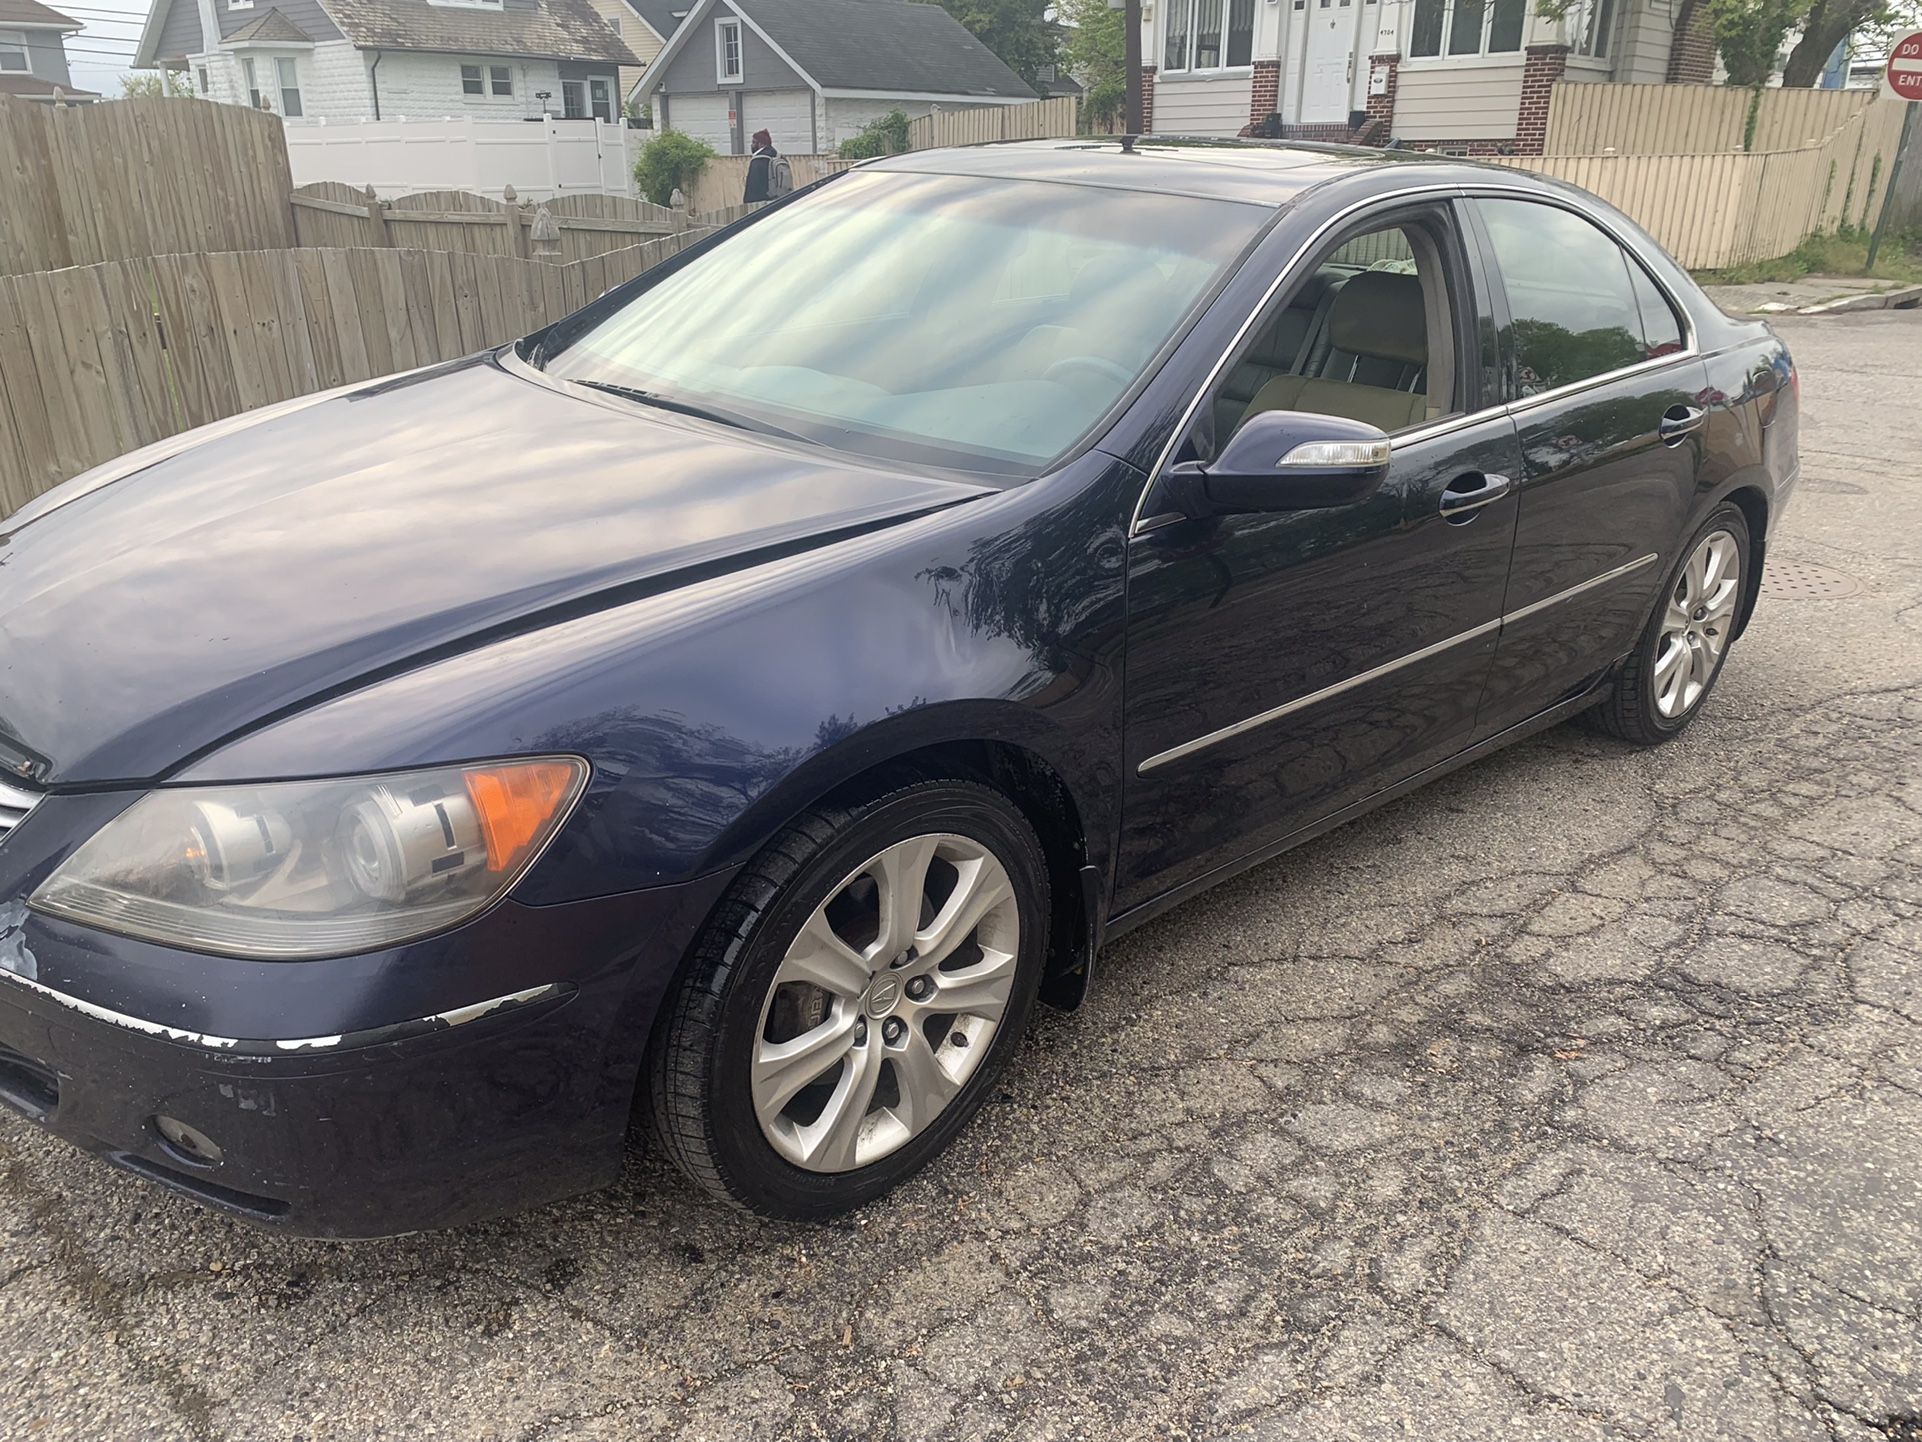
(1880, 300)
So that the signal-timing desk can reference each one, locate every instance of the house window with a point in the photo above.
(1589, 24)
(1467, 27)
(240, 4)
(289, 78)
(470, 80)
(253, 81)
(1209, 34)
(200, 78)
(501, 79)
(600, 98)
(727, 50)
(573, 100)
(468, 4)
(13, 51)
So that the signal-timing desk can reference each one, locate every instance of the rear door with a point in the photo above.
(1609, 398)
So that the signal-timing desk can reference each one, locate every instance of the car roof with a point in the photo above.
(1257, 172)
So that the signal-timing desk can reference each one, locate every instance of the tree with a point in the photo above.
(1016, 30)
(1095, 51)
(159, 84)
(671, 161)
(1830, 22)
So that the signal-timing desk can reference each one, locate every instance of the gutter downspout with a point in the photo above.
(373, 76)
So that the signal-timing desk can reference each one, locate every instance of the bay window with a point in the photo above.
(1467, 27)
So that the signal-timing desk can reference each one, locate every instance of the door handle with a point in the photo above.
(1679, 423)
(1469, 493)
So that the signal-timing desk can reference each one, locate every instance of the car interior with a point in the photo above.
(1352, 340)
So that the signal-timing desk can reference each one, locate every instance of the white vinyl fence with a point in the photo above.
(540, 158)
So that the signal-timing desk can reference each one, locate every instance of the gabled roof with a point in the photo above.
(269, 28)
(551, 30)
(884, 47)
(32, 15)
(663, 17)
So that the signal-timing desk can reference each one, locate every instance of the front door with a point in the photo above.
(1283, 665)
(1608, 404)
(1329, 45)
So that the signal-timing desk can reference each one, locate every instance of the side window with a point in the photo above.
(1368, 334)
(1660, 328)
(1572, 310)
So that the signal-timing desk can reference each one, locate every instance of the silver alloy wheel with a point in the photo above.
(886, 1002)
(1695, 629)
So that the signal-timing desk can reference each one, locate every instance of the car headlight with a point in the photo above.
(315, 868)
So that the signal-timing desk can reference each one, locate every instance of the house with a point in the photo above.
(393, 59)
(1463, 76)
(646, 26)
(814, 72)
(33, 53)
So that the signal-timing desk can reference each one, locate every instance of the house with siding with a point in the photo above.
(1468, 77)
(646, 26)
(812, 73)
(33, 53)
(394, 59)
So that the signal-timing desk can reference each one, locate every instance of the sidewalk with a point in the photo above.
(1814, 295)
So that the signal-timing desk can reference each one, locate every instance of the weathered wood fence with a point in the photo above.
(100, 359)
(327, 212)
(90, 183)
(1715, 210)
(1041, 120)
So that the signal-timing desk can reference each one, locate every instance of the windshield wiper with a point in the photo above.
(692, 408)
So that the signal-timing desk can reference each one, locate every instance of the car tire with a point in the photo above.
(1659, 689)
(770, 989)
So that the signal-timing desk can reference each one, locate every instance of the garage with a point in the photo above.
(787, 115)
(703, 116)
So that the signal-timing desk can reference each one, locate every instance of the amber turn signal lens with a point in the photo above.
(515, 804)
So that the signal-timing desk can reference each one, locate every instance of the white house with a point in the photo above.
(394, 59)
(1459, 75)
(814, 72)
(33, 53)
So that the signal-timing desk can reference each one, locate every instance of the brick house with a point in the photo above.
(394, 59)
(1464, 76)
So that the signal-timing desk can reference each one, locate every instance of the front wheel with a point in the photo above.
(1662, 685)
(852, 999)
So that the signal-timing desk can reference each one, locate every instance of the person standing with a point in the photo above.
(769, 177)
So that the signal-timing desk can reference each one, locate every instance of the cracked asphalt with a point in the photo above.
(1576, 1096)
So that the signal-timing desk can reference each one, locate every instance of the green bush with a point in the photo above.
(669, 162)
(885, 136)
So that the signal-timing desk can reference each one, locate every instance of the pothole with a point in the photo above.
(1806, 581)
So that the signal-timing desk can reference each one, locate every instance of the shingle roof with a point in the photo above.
(270, 27)
(664, 16)
(890, 45)
(33, 85)
(32, 12)
(553, 30)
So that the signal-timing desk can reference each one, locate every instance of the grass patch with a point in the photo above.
(1845, 253)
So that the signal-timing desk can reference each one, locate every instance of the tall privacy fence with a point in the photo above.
(539, 158)
(97, 360)
(1717, 207)
(1590, 119)
(1042, 120)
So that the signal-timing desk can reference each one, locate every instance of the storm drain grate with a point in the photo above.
(1806, 581)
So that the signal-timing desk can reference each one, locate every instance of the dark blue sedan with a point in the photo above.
(735, 705)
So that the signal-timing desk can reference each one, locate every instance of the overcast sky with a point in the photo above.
(103, 52)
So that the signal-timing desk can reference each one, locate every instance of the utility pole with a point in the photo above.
(1131, 18)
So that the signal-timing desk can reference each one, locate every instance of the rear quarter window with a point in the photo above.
(1573, 313)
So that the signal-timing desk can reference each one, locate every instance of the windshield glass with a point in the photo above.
(979, 323)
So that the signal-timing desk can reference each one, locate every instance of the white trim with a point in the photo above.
(266, 45)
(722, 76)
(657, 67)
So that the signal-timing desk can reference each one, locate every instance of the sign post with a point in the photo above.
(1905, 82)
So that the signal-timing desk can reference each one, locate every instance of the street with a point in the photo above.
(1578, 1095)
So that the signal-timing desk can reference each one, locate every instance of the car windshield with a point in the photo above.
(980, 323)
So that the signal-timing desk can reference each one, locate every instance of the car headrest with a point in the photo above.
(1379, 313)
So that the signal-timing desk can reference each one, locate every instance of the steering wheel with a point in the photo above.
(1094, 364)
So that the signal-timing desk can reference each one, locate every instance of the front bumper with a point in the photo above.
(483, 1071)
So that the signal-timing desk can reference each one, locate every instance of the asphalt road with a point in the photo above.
(1577, 1096)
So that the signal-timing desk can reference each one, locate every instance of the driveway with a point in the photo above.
(1576, 1096)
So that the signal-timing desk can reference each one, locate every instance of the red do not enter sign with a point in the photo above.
(1905, 67)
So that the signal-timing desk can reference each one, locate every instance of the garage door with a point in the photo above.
(787, 115)
(702, 116)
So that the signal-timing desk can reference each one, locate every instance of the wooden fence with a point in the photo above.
(331, 214)
(1042, 120)
(1711, 211)
(1589, 119)
(97, 360)
(90, 183)
(723, 180)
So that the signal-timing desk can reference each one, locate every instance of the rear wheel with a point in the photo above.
(1661, 687)
(852, 999)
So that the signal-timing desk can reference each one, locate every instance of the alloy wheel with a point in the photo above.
(1696, 625)
(885, 1003)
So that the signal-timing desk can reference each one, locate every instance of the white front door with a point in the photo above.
(1328, 45)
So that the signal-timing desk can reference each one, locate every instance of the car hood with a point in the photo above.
(147, 616)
